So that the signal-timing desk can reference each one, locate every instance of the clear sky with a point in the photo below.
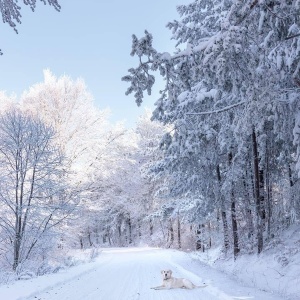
(90, 39)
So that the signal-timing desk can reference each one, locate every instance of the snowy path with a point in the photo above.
(128, 274)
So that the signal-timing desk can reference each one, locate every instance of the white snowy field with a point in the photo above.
(128, 274)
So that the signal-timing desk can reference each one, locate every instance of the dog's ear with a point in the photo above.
(170, 272)
(161, 271)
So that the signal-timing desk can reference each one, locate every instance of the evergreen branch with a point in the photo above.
(217, 111)
(253, 4)
(292, 36)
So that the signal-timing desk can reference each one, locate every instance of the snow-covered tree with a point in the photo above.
(32, 189)
(84, 134)
(67, 106)
(226, 90)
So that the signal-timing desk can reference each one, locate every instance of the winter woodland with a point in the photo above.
(216, 164)
(231, 161)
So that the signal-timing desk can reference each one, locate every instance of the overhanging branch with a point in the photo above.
(217, 111)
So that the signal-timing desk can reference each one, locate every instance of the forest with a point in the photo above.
(216, 164)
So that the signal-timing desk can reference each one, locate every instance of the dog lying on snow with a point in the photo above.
(170, 282)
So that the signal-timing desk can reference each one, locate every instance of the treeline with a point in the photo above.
(57, 153)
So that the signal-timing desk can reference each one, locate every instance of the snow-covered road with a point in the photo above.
(128, 274)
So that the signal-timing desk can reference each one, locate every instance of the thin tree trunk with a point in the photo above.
(139, 227)
(223, 213)
(151, 227)
(97, 235)
(268, 196)
(257, 193)
(200, 238)
(130, 230)
(17, 239)
(294, 204)
(119, 229)
(262, 197)
(218, 219)
(209, 232)
(109, 238)
(249, 217)
(89, 238)
(236, 248)
(198, 242)
(290, 176)
(178, 231)
(17, 246)
(171, 232)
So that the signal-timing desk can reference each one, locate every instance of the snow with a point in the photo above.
(276, 269)
(128, 274)
(166, 56)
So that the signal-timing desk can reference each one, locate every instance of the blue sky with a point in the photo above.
(90, 39)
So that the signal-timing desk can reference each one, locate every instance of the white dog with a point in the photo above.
(170, 282)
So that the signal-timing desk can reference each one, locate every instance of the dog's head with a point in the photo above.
(166, 274)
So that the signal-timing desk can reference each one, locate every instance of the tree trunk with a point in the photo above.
(109, 238)
(151, 227)
(262, 197)
(218, 218)
(259, 223)
(268, 196)
(223, 213)
(200, 238)
(97, 234)
(198, 242)
(139, 227)
(178, 231)
(294, 204)
(171, 232)
(119, 231)
(236, 249)
(129, 230)
(209, 232)
(17, 246)
(18, 221)
(89, 237)
(290, 176)
(249, 217)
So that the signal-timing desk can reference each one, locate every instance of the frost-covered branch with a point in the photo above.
(218, 110)
(292, 36)
(11, 14)
(11, 11)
